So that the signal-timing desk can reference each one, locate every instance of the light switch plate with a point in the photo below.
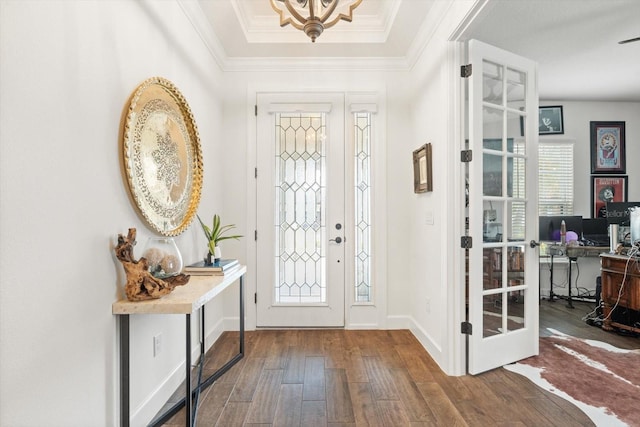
(429, 218)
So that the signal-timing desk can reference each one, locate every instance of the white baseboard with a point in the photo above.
(362, 326)
(399, 322)
(434, 350)
(148, 409)
(408, 322)
(231, 324)
(215, 332)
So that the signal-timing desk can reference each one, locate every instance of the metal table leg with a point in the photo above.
(551, 294)
(187, 362)
(241, 284)
(569, 301)
(124, 369)
(212, 378)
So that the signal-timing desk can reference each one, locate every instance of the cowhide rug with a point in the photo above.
(602, 380)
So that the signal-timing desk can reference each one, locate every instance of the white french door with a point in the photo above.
(300, 210)
(503, 267)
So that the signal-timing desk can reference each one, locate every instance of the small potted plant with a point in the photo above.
(215, 234)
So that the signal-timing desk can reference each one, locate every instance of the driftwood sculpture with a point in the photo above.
(141, 284)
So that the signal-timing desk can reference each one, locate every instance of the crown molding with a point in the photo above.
(202, 27)
(426, 32)
(309, 64)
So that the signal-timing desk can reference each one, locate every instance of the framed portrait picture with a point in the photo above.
(608, 148)
(422, 175)
(550, 120)
(606, 189)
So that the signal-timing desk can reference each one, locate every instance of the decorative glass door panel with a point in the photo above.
(300, 254)
(362, 192)
(503, 279)
(300, 202)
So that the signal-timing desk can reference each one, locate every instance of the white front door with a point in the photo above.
(300, 210)
(503, 208)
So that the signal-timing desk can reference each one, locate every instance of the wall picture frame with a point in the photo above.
(604, 189)
(608, 152)
(550, 120)
(422, 169)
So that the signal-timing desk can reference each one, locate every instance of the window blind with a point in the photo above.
(555, 178)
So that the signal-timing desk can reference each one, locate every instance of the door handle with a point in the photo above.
(337, 240)
(533, 244)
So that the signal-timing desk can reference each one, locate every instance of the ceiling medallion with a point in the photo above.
(313, 16)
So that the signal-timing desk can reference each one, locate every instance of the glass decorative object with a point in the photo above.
(163, 257)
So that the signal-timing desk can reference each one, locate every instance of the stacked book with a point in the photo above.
(219, 268)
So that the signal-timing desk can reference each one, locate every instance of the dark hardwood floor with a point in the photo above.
(556, 315)
(378, 378)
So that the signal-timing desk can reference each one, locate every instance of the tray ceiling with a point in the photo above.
(575, 42)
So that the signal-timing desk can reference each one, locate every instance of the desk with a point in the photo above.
(572, 253)
(183, 300)
(613, 271)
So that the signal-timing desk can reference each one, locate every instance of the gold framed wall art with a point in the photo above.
(162, 157)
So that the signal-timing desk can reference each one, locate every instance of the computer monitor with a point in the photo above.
(549, 227)
(618, 212)
(594, 227)
(595, 231)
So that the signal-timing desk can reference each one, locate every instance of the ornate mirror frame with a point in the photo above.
(162, 157)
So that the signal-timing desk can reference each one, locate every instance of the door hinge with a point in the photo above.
(466, 328)
(255, 298)
(466, 242)
(255, 109)
(255, 235)
(465, 71)
(466, 156)
(255, 173)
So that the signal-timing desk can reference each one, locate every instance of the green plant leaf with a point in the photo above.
(229, 237)
(207, 230)
(216, 227)
(216, 233)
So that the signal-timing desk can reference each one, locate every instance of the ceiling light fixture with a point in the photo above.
(320, 14)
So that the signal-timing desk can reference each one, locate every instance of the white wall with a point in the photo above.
(66, 72)
(435, 286)
(577, 116)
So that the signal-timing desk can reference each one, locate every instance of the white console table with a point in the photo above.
(185, 300)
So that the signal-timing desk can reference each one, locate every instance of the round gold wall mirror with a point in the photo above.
(162, 156)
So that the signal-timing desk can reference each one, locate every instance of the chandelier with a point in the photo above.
(313, 16)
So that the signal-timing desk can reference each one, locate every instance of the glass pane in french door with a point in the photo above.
(300, 228)
(504, 200)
